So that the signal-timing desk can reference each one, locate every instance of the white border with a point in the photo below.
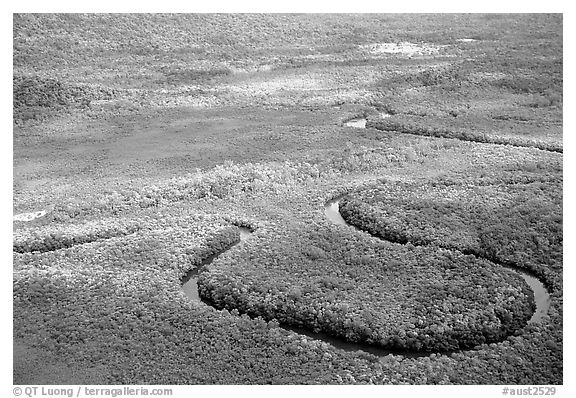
(300, 6)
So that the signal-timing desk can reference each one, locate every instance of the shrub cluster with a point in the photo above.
(54, 237)
(364, 159)
(411, 298)
(451, 77)
(32, 94)
(517, 224)
(223, 181)
(191, 76)
(131, 318)
(149, 243)
(407, 128)
(93, 302)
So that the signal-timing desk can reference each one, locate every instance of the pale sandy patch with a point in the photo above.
(29, 216)
(404, 48)
(239, 70)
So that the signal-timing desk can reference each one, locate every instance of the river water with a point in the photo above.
(541, 295)
(190, 280)
(332, 213)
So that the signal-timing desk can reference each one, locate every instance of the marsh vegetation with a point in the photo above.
(143, 144)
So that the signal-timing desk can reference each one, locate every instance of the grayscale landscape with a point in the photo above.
(287, 199)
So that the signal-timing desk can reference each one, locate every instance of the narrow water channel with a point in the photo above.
(332, 213)
(190, 280)
(541, 295)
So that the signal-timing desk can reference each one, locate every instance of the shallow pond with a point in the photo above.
(29, 216)
(359, 123)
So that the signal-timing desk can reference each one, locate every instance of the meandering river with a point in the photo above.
(332, 213)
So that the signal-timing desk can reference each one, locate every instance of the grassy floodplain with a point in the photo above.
(148, 139)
